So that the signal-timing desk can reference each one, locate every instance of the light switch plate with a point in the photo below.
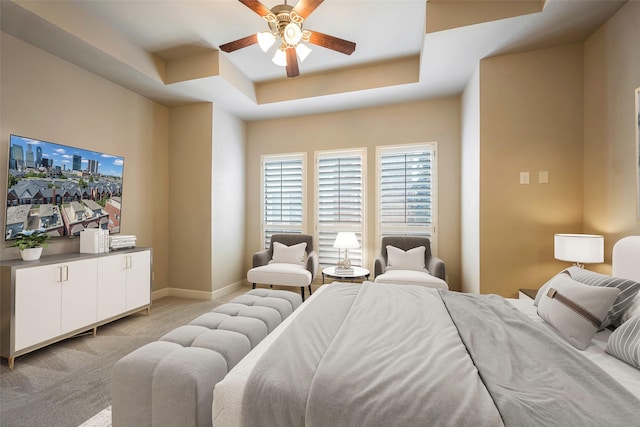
(543, 177)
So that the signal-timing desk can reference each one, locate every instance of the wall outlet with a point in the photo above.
(524, 177)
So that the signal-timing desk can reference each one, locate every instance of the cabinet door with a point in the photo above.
(112, 286)
(37, 305)
(79, 294)
(139, 280)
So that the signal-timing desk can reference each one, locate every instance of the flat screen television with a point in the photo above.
(61, 189)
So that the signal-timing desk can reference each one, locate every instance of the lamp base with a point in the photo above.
(344, 263)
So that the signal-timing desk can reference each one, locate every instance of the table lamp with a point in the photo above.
(345, 240)
(579, 248)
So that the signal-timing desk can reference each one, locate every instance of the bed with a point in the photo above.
(375, 354)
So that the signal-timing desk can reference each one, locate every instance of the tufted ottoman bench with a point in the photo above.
(170, 382)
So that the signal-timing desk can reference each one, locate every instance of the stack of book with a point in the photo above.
(122, 242)
(342, 270)
(94, 241)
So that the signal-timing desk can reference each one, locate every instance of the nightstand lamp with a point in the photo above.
(579, 248)
(345, 240)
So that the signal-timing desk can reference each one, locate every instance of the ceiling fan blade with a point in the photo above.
(256, 6)
(304, 8)
(240, 43)
(292, 63)
(331, 42)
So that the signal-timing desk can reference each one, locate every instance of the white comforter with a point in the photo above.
(229, 394)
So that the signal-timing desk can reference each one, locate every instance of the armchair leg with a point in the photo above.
(309, 290)
(254, 286)
(302, 292)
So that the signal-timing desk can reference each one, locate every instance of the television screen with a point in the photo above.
(61, 189)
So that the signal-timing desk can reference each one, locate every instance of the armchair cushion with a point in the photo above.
(411, 277)
(412, 259)
(280, 274)
(294, 254)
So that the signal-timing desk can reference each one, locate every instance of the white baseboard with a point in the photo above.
(160, 293)
(229, 289)
(201, 295)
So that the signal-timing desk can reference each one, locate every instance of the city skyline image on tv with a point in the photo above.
(61, 189)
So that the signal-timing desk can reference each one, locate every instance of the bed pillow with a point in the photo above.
(628, 290)
(413, 259)
(543, 288)
(294, 254)
(580, 323)
(624, 342)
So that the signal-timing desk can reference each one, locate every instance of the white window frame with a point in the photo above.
(359, 229)
(284, 228)
(429, 231)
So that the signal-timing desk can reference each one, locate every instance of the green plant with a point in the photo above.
(31, 239)
(12, 180)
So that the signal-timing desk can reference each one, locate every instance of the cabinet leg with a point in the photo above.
(11, 361)
(148, 310)
(95, 331)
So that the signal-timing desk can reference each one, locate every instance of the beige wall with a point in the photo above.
(425, 121)
(612, 73)
(191, 135)
(228, 199)
(47, 98)
(470, 177)
(207, 187)
(530, 120)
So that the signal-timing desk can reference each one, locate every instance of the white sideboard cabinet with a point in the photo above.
(123, 283)
(62, 295)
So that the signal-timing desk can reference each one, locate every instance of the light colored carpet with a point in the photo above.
(66, 383)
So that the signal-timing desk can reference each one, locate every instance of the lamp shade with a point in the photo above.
(579, 248)
(346, 240)
(302, 51)
(266, 40)
(280, 58)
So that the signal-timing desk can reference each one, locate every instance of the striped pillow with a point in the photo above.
(628, 289)
(624, 342)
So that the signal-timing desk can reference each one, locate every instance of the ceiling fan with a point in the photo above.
(285, 25)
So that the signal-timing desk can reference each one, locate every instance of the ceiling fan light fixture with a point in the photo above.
(266, 40)
(292, 34)
(285, 24)
(280, 58)
(303, 51)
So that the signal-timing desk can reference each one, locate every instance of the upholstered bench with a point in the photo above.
(170, 382)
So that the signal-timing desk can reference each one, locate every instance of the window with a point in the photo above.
(407, 191)
(340, 202)
(282, 195)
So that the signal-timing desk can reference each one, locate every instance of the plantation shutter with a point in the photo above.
(406, 192)
(283, 195)
(340, 204)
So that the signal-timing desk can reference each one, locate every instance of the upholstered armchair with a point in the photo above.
(285, 263)
(410, 266)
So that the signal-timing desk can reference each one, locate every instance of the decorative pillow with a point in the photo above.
(294, 254)
(624, 342)
(575, 310)
(413, 259)
(633, 310)
(628, 289)
(544, 287)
